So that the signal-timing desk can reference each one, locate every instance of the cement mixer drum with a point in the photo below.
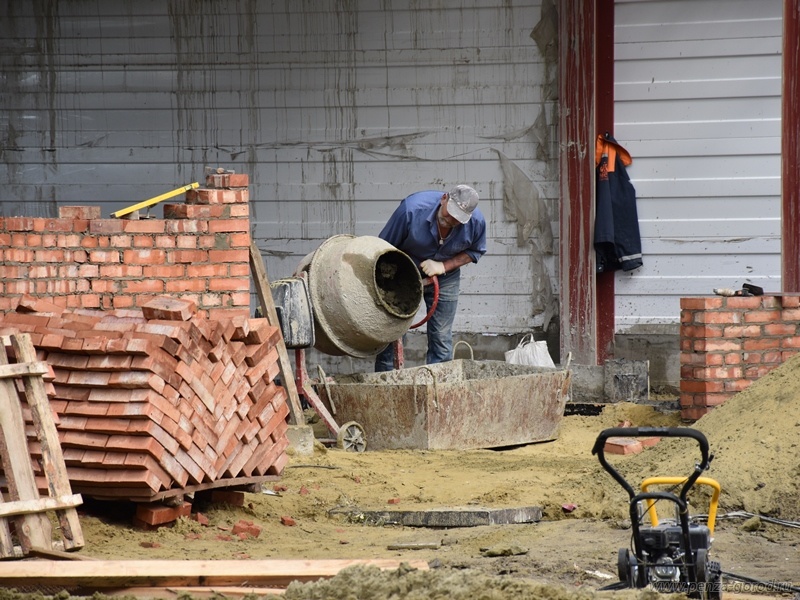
(364, 294)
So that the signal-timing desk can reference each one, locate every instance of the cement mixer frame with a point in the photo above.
(351, 296)
(351, 435)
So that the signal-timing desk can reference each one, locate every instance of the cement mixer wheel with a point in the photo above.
(351, 437)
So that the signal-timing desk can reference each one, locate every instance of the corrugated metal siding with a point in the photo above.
(337, 110)
(400, 98)
(698, 105)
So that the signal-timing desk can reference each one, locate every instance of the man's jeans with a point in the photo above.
(440, 325)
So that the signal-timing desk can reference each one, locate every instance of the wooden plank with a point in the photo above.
(604, 121)
(216, 592)
(6, 541)
(576, 133)
(790, 147)
(249, 484)
(261, 283)
(52, 456)
(16, 370)
(54, 554)
(24, 507)
(32, 529)
(101, 574)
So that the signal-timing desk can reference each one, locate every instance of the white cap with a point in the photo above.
(462, 200)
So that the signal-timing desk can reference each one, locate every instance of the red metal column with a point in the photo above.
(790, 149)
(604, 117)
(576, 128)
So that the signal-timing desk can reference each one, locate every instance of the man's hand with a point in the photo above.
(432, 267)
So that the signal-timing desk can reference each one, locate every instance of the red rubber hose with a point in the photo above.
(435, 281)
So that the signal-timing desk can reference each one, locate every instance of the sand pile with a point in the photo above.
(755, 441)
(370, 583)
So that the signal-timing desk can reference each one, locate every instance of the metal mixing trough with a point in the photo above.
(460, 404)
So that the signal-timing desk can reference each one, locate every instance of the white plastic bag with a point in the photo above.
(531, 353)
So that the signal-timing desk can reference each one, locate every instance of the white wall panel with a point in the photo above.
(697, 103)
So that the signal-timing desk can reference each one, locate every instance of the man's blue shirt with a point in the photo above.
(412, 228)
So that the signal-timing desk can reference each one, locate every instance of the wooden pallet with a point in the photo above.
(24, 514)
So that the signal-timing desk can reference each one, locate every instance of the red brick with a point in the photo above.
(228, 225)
(18, 223)
(218, 180)
(143, 226)
(762, 316)
(29, 304)
(142, 241)
(694, 413)
(238, 180)
(174, 309)
(759, 344)
(105, 226)
(791, 342)
(239, 210)
(217, 196)
(195, 473)
(789, 302)
(89, 378)
(701, 304)
(700, 386)
(187, 256)
(229, 256)
(261, 332)
(618, 445)
(105, 256)
(158, 514)
(247, 528)
(146, 256)
(227, 497)
(200, 518)
(79, 212)
(83, 439)
(42, 224)
(135, 443)
(256, 372)
(718, 317)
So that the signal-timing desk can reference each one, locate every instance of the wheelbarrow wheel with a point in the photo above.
(351, 437)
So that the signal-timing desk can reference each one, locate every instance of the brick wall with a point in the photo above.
(199, 251)
(729, 342)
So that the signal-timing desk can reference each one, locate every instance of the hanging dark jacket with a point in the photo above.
(616, 224)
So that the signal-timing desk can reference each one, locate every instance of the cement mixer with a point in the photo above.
(352, 296)
(364, 294)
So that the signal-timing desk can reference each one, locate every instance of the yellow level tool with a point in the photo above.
(156, 200)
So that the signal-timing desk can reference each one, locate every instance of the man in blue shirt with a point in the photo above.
(441, 232)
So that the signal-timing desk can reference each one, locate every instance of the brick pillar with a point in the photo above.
(729, 342)
(199, 251)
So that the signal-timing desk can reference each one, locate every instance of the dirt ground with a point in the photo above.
(572, 551)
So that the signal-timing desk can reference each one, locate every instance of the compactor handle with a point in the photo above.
(634, 432)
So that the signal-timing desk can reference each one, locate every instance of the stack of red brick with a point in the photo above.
(158, 398)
